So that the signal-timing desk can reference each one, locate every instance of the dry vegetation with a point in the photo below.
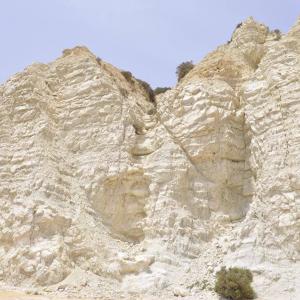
(234, 283)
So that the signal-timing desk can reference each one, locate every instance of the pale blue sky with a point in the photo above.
(147, 37)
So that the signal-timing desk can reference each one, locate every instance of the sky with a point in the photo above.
(150, 38)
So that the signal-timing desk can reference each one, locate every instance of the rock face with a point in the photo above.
(105, 193)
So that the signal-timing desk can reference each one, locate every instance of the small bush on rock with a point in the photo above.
(99, 60)
(147, 88)
(234, 283)
(277, 33)
(183, 69)
(160, 90)
(127, 75)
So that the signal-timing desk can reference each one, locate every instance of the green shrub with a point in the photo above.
(234, 283)
(99, 60)
(147, 88)
(160, 90)
(183, 69)
(127, 75)
(277, 32)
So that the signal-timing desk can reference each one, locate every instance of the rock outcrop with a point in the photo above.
(107, 193)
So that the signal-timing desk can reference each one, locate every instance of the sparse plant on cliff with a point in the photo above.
(145, 85)
(277, 33)
(160, 90)
(147, 88)
(234, 283)
(99, 60)
(127, 75)
(183, 69)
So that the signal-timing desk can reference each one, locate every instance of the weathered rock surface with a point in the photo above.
(105, 193)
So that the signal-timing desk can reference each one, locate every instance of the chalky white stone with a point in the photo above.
(105, 193)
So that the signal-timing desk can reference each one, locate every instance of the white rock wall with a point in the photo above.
(105, 193)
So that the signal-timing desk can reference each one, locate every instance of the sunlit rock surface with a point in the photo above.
(107, 194)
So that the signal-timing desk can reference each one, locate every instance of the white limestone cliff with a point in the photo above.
(105, 193)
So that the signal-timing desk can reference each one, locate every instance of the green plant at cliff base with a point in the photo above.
(234, 283)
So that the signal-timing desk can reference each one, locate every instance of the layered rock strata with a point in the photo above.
(107, 193)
